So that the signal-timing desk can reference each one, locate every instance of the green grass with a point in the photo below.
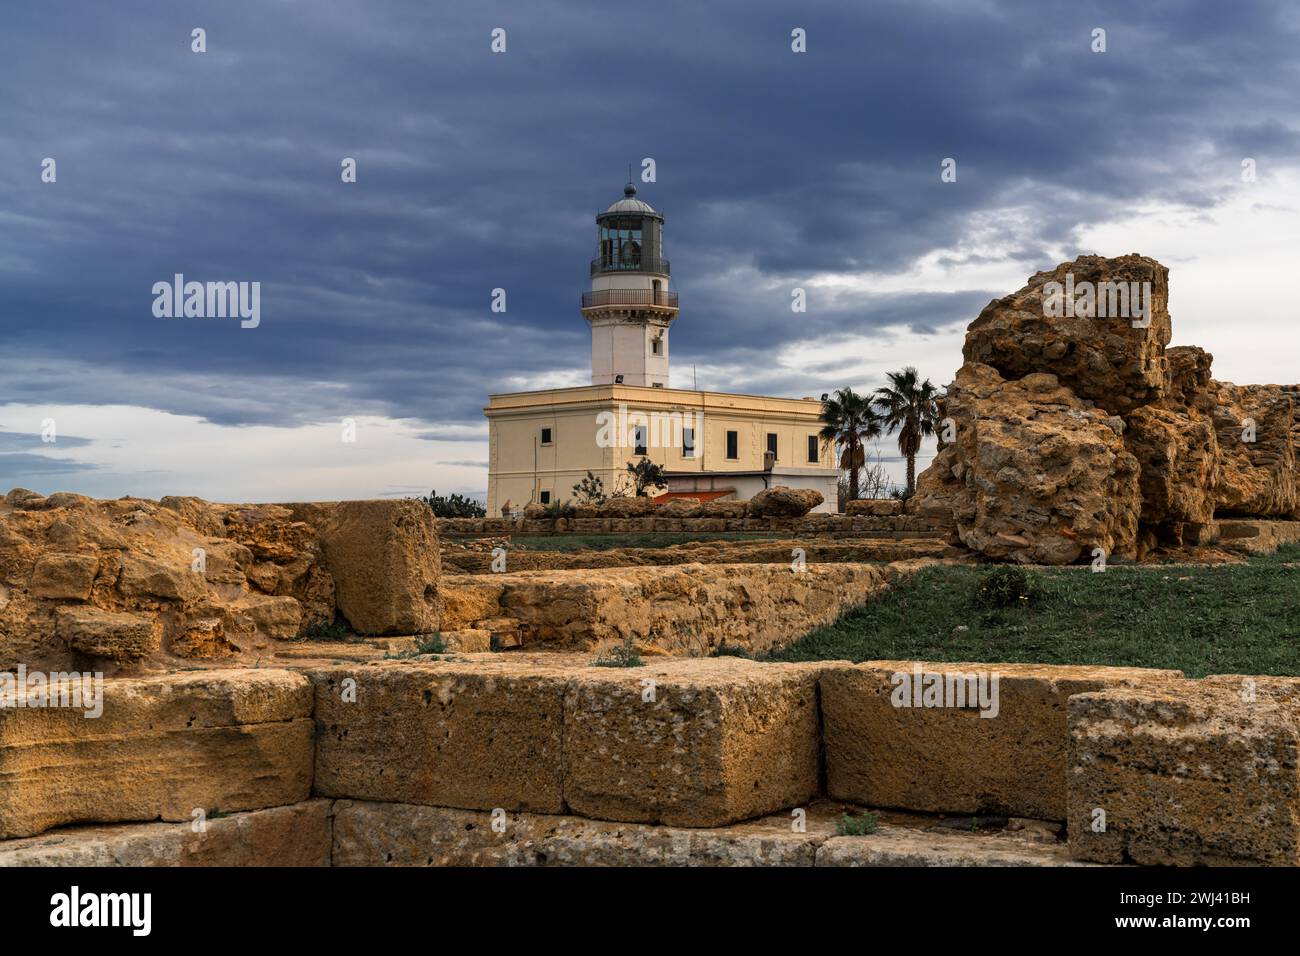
(863, 825)
(649, 539)
(1198, 619)
(1287, 554)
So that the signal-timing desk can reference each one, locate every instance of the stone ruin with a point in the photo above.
(1072, 433)
(138, 584)
(221, 705)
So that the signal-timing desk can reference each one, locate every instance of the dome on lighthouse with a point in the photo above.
(630, 204)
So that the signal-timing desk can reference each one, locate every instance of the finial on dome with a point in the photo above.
(629, 190)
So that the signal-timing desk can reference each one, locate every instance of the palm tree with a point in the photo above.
(849, 421)
(909, 407)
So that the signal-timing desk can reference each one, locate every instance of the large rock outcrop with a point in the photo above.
(1186, 446)
(1043, 476)
(1178, 458)
(1257, 426)
(1115, 360)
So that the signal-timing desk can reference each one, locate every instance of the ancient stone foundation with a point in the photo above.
(686, 609)
(544, 759)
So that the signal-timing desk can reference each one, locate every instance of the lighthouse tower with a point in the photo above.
(629, 307)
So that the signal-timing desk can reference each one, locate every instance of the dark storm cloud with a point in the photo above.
(479, 171)
(21, 465)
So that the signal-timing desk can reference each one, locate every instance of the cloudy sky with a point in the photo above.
(478, 170)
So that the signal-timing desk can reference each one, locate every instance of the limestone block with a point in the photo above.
(67, 577)
(294, 835)
(1198, 775)
(121, 637)
(704, 743)
(395, 834)
(475, 735)
(163, 747)
(883, 750)
(383, 556)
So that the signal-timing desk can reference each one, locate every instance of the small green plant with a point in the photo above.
(424, 644)
(335, 630)
(863, 825)
(430, 644)
(1005, 586)
(590, 491)
(560, 509)
(624, 655)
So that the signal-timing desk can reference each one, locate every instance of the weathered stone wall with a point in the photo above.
(162, 748)
(685, 609)
(895, 525)
(1187, 776)
(133, 583)
(476, 555)
(950, 758)
(1184, 771)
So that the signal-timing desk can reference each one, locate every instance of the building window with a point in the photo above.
(771, 444)
(688, 442)
(640, 440)
(657, 346)
(546, 497)
(546, 436)
(657, 384)
(813, 450)
(733, 445)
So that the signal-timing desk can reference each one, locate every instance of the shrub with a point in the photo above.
(430, 643)
(624, 655)
(454, 506)
(336, 630)
(645, 475)
(864, 825)
(1005, 586)
(559, 509)
(590, 491)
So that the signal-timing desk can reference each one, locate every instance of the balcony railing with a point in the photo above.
(634, 264)
(629, 297)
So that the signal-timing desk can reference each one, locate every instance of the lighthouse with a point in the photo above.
(544, 444)
(629, 306)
